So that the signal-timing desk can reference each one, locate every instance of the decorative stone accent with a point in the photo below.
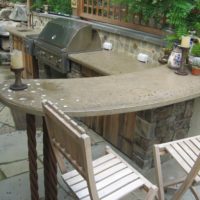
(158, 126)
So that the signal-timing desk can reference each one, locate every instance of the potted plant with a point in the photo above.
(195, 59)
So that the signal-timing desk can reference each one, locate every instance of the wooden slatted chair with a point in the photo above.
(187, 153)
(108, 177)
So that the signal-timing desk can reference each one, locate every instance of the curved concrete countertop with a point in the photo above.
(105, 95)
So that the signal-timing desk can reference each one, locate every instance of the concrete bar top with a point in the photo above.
(105, 95)
(110, 63)
(22, 31)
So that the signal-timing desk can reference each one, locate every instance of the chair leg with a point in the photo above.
(152, 194)
(188, 181)
(195, 193)
(159, 176)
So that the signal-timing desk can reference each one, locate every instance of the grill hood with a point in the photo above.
(67, 34)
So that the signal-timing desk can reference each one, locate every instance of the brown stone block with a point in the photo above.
(179, 108)
(145, 144)
(141, 114)
(182, 124)
(144, 128)
(166, 130)
(189, 108)
(162, 113)
(168, 121)
(145, 154)
(154, 115)
(181, 133)
(179, 116)
(142, 163)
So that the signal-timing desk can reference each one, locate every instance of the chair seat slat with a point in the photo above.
(95, 163)
(106, 165)
(197, 143)
(179, 159)
(182, 153)
(101, 176)
(188, 151)
(118, 176)
(70, 174)
(192, 147)
(110, 188)
(110, 171)
(103, 159)
(117, 185)
(125, 190)
(72, 181)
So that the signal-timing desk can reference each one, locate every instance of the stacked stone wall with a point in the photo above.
(158, 126)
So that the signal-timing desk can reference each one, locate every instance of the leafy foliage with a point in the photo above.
(196, 50)
(180, 14)
(57, 6)
(63, 6)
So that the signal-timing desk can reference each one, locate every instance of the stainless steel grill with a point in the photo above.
(61, 37)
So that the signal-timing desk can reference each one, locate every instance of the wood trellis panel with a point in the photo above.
(106, 11)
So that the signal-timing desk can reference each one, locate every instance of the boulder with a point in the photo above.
(5, 13)
(19, 13)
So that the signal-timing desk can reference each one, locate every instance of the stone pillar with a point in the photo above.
(158, 126)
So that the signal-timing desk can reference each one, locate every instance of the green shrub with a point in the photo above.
(57, 6)
(181, 15)
(196, 50)
(63, 6)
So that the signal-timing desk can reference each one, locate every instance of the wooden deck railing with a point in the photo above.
(106, 11)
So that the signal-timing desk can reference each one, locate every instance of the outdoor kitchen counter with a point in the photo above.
(22, 32)
(104, 95)
(109, 62)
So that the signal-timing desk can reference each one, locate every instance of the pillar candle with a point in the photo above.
(16, 59)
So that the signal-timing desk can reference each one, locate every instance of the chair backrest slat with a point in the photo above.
(68, 138)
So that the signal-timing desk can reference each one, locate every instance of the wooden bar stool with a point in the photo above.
(187, 153)
(108, 178)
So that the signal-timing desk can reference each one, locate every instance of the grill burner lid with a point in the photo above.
(68, 34)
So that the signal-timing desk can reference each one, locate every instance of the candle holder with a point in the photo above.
(18, 85)
(182, 70)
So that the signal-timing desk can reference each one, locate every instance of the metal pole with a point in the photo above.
(29, 2)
